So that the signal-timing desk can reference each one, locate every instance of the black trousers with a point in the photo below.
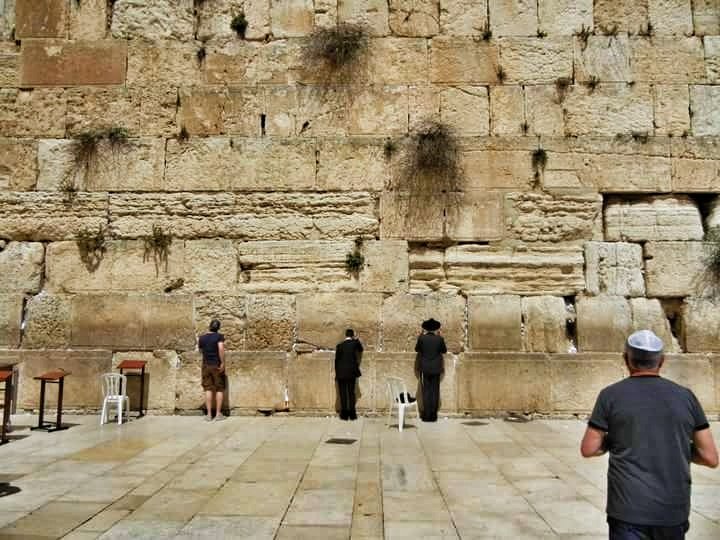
(431, 396)
(346, 388)
(619, 530)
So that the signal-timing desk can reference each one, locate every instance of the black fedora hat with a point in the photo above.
(430, 325)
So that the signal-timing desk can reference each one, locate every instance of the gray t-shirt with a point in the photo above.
(649, 423)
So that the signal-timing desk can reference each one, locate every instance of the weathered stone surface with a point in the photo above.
(397, 60)
(143, 111)
(60, 63)
(414, 18)
(507, 114)
(323, 318)
(311, 381)
(620, 15)
(671, 16)
(609, 110)
(386, 266)
(672, 106)
(9, 64)
(693, 371)
(543, 110)
(41, 18)
(605, 57)
(696, 164)
(18, 164)
(536, 60)
(246, 216)
(88, 20)
(701, 325)
(244, 62)
(271, 322)
(171, 19)
(215, 18)
(402, 315)
(248, 164)
(21, 267)
(372, 13)
(648, 314)
(503, 381)
(603, 323)
(50, 216)
(614, 268)
(456, 101)
(673, 269)
(565, 17)
(211, 111)
(578, 378)
(712, 58)
(653, 219)
(513, 17)
(291, 18)
(705, 107)
(398, 217)
(160, 379)
(188, 382)
(463, 60)
(494, 323)
(255, 379)
(174, 63)
(539, 217)
(545, 328)
(137, 165)
(463, 17)
(350, 165)
(11, 307)
(490, 169)
(476, 216)
(706, 17)
(19, 117)
(229, 309)
(81, 389)
(679, 60)
(47, 324)
(210, 265)
(7, 19)
(134, 322)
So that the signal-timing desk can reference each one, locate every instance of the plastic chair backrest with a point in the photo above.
(112, 383)
(396, 387)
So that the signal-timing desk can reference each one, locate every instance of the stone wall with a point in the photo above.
(264, 173)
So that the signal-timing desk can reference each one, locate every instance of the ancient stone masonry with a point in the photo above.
(161, 165)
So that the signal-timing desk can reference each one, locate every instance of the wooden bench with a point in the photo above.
(51, 377)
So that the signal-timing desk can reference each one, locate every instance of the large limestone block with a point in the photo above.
(323, 317)
(577, 379)
(47, 321)
(620, 15)
(214, 19)
(160, 379)
(701, 325)
(209, 265)
(565, 17)
(7, 18)
(377, 111)
(653, 219)
(463, 17)
(411, 217)
(513, 17)
(245, 62)
(503, 382)
(294, 266)
(672, 17)
(291, 18)
(397, 60)
(706, 17)
(614, 268)
(609, 110)
(463, 60)
(374, 14)
(133, 321)
(137, 165)
(217, 110)
(82, 388)
(402, 315)
(540, 217)
(9, 64)
(494, 323)
(456, 101)
(18, 169)
(536, 60)
(189, 394)
(271, 322)
(247, 164)
(648, 314)
(386, 266)
(19, 112)
(693, 371)
(171, 19)
(672, 109)
(605, 57)
(89, 20)
(427, 270)
(477, 216)
(11, 312)
(311, 381)
(705, 107)
(175, 63)
(229, 309)
(41, 18)
(507, 114)
(712, 58)
(414, 18)
(255, 379)
(496, 169)
(678, 60)
(143, 111)
(603, 323)
(350, 165)
(673, 269)
(21, 267)
(543, 110)
(60, 63)
(545, 328)
(254, 216)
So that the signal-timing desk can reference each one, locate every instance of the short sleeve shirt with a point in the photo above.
(650, 423)
(208, 345)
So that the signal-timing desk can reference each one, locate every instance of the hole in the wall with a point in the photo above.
(305, 126)
(262, 124)
(673, 311)
(571, 323)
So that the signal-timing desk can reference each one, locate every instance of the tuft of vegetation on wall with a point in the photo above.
(336, 52)
(92, 248)
(711, 260)
(354, 260)
(157, 246)
(87, 153)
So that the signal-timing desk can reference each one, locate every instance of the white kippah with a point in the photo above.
(645, 340)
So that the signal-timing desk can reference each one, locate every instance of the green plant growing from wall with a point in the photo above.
(157, 246)
(539, 159)
(239, 24)
(86, 152)
(336, 53)
(91, 246)
(583, 35)
(354, 260)
(562, 85)
(592, 83)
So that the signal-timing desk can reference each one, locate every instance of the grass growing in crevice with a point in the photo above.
(389, 149)
(91, 246)
(354, 260)
(157, 246)
(86, 153)
(500, 74)
(239, 25)
(336, 53)
(486, 32)
(562, 85)
(539, 159)
(592, 83)
(583, 35)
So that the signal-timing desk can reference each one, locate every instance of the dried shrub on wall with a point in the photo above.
(91, 245)
(539, 162)
(87, 154)
(239, 25)
(337, 52)
(157, 246)
(354, 260)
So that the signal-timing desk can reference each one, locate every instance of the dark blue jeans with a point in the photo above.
(619, 530)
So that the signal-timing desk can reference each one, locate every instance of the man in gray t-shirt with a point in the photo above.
(653, 428)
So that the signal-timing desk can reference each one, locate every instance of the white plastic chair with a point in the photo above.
(114, 387)
(396, 388)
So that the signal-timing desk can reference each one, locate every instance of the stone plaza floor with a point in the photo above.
(279, 478)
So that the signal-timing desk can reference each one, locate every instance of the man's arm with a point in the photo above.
(221, 354)
(704, 449)
(593, 443)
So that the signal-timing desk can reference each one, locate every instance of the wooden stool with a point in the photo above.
(6, 377)
(135, 364)
(52, 377)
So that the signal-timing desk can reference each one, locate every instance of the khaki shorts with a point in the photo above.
(213, 379)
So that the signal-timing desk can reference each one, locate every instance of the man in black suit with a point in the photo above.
(347, 370)
(430, 348)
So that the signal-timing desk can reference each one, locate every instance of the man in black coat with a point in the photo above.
(430, 348)
(347, 370)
